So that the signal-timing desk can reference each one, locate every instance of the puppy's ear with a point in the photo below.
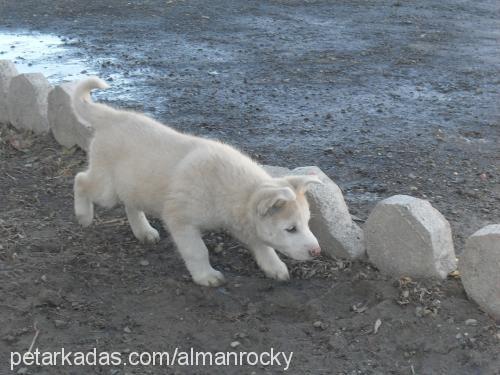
(268, 200)
(302, 183)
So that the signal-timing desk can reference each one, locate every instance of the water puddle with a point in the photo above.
(58, 59)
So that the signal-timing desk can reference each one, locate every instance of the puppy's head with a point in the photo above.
(281, 216)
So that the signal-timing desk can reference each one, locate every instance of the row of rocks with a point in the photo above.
(407, 236)
(29, 102)
(403, 236)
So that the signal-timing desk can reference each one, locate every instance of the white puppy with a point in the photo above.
(192, 184)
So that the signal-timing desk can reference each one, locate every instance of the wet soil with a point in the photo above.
(386, 97)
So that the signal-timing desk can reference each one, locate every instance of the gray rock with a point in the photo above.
(60, 323)
(67, 128)
(48, 297)
(479, 268)
(9, 339)
(7, 72)
(235, 344)
(331, 222)
(406, 236)
(27, 102)
(471, 322)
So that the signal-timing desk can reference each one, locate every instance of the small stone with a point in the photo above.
(318, 324)
(22, 371)
(459, 336)
(471, 322)
(44, 278)
(337, 342)
(419, 311)
(235, 344)
(49, 297)
(144, 262)
(218, 248)
(60, 323)
(377, 325)
(9, 339)
(127, 330)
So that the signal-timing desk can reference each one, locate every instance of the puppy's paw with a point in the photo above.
(278, 271)
(84, 220)
(212, 278)
(149, 235)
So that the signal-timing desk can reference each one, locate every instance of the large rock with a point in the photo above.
(406, 236)
(67, 129)
(331, 221)
(27, 102)
(479, 268)
(7, 72)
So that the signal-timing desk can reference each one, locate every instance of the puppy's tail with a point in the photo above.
(82, 103)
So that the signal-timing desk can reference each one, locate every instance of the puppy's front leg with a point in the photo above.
(195, 254)
(141, 228)
(270, 263)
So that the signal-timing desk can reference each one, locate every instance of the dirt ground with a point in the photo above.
(386, 97)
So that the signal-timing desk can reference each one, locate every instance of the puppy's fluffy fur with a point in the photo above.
(192, 184)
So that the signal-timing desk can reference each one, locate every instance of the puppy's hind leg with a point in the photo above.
(84, 208)
(195, 254)
(141, 228)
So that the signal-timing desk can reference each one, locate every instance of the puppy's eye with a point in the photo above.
(291, 229)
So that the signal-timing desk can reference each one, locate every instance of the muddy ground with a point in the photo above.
(386, 97)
